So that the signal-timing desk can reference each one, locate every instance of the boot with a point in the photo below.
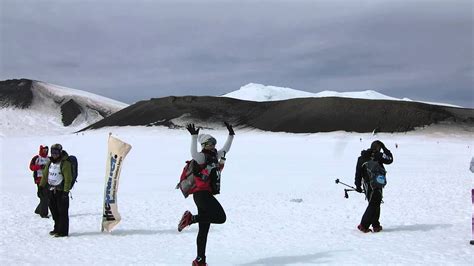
(377, 228)
(185, 220)
(199, 261)
(363, 229)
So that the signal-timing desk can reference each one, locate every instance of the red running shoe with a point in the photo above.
(363, 229)
(185, 220)
(199, 262)
(377, 228)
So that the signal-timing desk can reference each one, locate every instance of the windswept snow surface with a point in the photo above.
(261, 93)
(43, 117)
(282, 204)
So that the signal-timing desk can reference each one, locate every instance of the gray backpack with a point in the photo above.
(376, 174)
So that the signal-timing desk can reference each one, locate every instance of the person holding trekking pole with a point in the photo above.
(207, 180)
(369, 162)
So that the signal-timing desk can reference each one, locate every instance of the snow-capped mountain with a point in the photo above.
(261, 93)
(34, 107)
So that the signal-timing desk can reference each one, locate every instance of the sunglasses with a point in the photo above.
(55, 152)
(210, 142)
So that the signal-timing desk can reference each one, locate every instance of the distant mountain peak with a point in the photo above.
(262, 93)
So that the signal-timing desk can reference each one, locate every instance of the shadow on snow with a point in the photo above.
(320, 257)
(85, 214)
(416, 227)
(128, 232)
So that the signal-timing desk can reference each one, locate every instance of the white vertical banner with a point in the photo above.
(116, 154)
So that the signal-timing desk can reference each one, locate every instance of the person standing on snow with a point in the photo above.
(373, 195)
(57, 174)
(37, 164)
(207, 185)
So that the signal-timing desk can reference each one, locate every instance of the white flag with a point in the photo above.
(115, 156)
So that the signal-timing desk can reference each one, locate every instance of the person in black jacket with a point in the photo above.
(373, 195)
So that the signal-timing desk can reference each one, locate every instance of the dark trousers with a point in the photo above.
(42, 208)
(372, 213)
(209, 211)
(59, 206)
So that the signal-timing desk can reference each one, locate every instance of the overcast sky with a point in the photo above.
(135, 50)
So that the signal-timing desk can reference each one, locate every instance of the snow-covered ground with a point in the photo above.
(426, 214)
(261, 93)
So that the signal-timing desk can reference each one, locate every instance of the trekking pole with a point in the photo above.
(346, 195)
(339, 182)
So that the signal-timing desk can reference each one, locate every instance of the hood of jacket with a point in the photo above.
(41, 152)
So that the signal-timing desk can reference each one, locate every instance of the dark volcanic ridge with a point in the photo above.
(302, 115)
(16, 93)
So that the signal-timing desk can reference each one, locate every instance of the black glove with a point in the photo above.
(229, 127)
(359, 189)
(192, 130)
(382, 145)
(378, 156)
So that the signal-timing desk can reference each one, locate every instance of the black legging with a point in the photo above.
(43, 195)
(209, 211)
(59, 206)
(372, 213)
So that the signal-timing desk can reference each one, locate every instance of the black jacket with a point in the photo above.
(382, 158)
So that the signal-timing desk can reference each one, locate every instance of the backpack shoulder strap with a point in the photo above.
(366, 161)
(195, 166)
(33, 160)
(62, 163)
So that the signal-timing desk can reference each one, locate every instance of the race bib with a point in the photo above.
(54, 176)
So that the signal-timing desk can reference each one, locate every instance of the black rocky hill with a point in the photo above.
(303, 115)
(16, 93)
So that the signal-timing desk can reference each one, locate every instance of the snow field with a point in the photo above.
(426, 214)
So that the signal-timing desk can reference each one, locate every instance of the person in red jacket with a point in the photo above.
(37, 164)
(211, 163)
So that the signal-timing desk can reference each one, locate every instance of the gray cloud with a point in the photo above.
(133, 50)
